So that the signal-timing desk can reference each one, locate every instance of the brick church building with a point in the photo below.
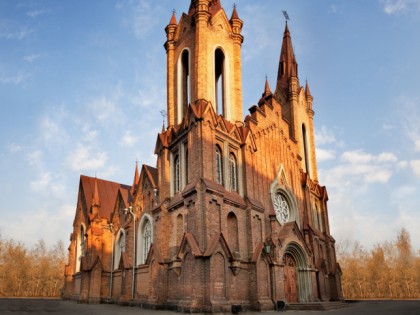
(232, 213)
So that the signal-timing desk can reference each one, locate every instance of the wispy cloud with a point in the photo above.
(140, 16)
(32, 58)
(128, 139)
(14, 79)
(8, 31)
(37, 12)
(85, 158)
(14, 148)
(45, 184)
(400, 6)
(106, 111)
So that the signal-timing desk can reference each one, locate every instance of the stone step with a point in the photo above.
(316, 306)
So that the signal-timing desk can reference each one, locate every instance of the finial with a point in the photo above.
(286, 16)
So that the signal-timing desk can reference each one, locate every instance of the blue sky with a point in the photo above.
(82, 84)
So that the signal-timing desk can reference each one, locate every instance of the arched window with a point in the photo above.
(233, 173)
(177, 179)
(119, 248)
(305, 149)
(146, 238)
(219, 166)
(233, 239)
(219, 63)
(184, 85)
(80, 246)
(186, 166)
(179, 229)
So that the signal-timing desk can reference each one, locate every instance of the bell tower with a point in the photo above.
(204, 61)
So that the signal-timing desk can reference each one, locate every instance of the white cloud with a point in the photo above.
(128, 140)
(324, 155)
(141, 16)
(8, 31)
(45, 185)
(324, 136)
(106, 111)
(14, 79)
(356, 157)
(41, 183)
(85, 158)
(14, 148)
(53, 127)
(32, 58)
(35, 158)
(50, 222)
(415, 165)
(379, 176)
(37, 12)
(387, 157)
(399, 6)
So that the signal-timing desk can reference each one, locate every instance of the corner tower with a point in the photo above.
(204, 61)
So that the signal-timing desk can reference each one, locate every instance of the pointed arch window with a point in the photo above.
(233, 173)
(119, 248)
(80, 246)
(219, 166)
(220, 82)
(233, 232)
(305, 149)
(184, 84)
(186, 166)
(146, 238)
(177, 174)
(179, 228)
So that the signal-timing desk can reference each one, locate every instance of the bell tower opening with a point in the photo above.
(220, 82)
(184, 84)
(305, 149)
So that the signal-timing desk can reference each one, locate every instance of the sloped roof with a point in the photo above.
(107, 191)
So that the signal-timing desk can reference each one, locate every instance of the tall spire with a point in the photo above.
(287, 64)
(173, 19)
(267, 90)
(136, 177)
(95, 198)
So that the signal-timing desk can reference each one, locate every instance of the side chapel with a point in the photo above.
(232, 213)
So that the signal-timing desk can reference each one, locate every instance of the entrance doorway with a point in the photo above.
(290, 285)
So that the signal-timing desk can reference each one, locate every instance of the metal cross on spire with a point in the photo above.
(286, 16)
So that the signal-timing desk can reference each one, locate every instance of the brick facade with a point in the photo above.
(233, 212)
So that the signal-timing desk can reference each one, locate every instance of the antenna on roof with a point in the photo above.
(286, 16)
(163, 114)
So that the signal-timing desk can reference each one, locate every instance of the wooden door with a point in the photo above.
(290, 287)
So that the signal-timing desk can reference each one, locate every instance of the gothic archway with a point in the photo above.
(297, 274)
(290, 285)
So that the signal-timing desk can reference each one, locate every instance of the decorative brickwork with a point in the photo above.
(233, 213)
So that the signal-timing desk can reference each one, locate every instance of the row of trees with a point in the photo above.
(390, 270)
(38, 271)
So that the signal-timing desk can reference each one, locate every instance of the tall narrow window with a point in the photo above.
(305, 149)
(233, 233)
(219, 62)
(184, 84)
(179, 228)
(233, 175)
(186, 166)
(177, 181)
(147, 239)
(219, 166)
(80, 247)
(119, 248)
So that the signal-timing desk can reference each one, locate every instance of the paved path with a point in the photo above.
(55, 307)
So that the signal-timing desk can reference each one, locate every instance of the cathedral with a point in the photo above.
(232, 214)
